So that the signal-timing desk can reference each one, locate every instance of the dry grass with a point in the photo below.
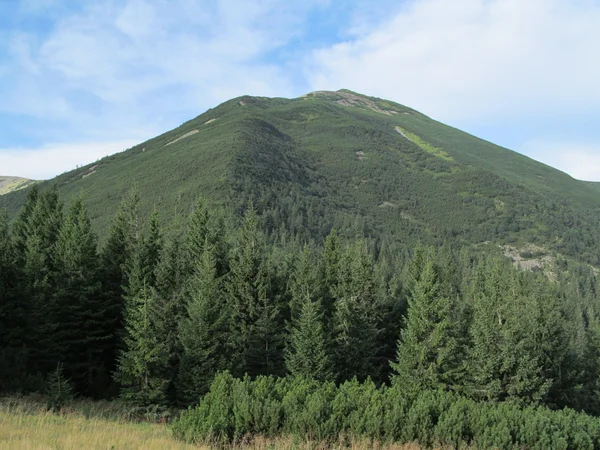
(26, 426)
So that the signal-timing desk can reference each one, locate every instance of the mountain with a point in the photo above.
(364, 165)
(11, 184)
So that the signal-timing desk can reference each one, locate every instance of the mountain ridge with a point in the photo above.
(12, 183)
(345, 160)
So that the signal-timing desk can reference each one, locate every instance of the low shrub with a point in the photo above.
(235, 408)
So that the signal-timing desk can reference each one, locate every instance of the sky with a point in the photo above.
(83, 79)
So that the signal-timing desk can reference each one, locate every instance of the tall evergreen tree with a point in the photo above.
(304, 283)
(332, 255)
(152, 245)
(307, 353)
(428, 354)
(256, 328)
(169, 286)
(82, 331)
(355, 319)
(203, 331)
(116, 258)
(37, 280)
(205, 226)
(144, 359)
(505, 358)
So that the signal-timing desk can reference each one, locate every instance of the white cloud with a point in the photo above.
(471, 60)
(50, 160)
(106, 70)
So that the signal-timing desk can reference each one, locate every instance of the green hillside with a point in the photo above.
(340, 159)
(11, 184)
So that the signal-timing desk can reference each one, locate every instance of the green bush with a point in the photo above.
(234, 409)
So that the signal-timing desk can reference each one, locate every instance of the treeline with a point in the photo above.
(153, 320)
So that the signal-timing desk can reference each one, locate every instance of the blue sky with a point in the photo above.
(80, 80)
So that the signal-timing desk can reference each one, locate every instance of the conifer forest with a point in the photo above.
(236, 331)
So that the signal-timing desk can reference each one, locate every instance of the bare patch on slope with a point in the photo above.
(532, 258)
(354, 100)
(435, 151)
(191, 133)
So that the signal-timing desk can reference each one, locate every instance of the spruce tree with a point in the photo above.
(427, 355)
(37, 281)
(7, 276)
(330, 267)
(116, 258)
(144, 359)
(355, 319)
(82, 331)
(307, 354)
(304, 283)
(484, 354)
(507, 358)
(205, 226)
(169, 286)
(256, 329)
(203, 331)
(152, 248)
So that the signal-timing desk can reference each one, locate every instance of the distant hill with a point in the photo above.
(364, 165)
(10, 184)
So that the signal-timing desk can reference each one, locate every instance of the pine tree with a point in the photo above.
(143, 361)
(507, 354)
(82, 331)
(116, 257)
(304, 283)
(355, 320)
(484, 354)
(12, 315)
(330, 266)
(169, 287)
(307, 354)
(256, 328)
(427, 355)
(7, 275)
(203, 332)
(205, 226)
(37, 280)
(152, 248)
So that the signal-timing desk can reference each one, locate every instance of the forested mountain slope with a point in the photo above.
(363, 165)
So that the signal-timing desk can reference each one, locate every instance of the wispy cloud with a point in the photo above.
(50, 160)
(105, 71)
(474, 59)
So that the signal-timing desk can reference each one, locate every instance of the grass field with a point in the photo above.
(25, 424)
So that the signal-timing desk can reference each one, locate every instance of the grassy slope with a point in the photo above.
(340, 158)
(11, 184)
(26, 425)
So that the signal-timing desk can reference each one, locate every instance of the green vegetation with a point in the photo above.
(268, 406)
(296, 161)
(424, 145)
(82, 424)
(11, 184)
(324, 289)
(445, 339)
